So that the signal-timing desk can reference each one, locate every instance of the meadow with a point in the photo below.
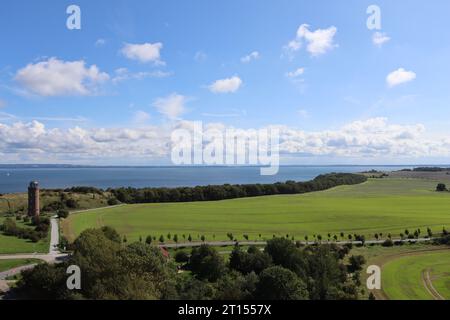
(11, 264)
(377, 206)
(11, 245)
(405, 278)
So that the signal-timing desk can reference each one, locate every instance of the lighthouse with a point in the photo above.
(33, 200)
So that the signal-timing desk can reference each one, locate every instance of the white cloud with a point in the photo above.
(2, 103)
(146, 52)
(296, 73)
(228, 85)
(59, 78)
(380, 38)
(140, 117)
(374, 138)
(200, 56)
(100, 42)
(172, 106)
(400, 76)
(123, 74)
(252, 56)
(318, 42)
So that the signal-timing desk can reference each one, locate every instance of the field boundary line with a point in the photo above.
(428, 284)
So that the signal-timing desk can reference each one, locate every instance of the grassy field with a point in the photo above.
(11, 264)
(18, 202)
(9, 245)
(379, 205)
(404, 278)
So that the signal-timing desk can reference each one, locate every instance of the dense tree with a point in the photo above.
(356, 263)
(278, 283)
(280, 250)
(441, 187)
(251, 261)
(206, 263)
(213, 193)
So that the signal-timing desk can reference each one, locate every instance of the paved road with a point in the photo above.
(261, 243)
(54, 236)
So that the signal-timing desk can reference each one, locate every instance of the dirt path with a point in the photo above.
(381, 261)
(428, 284)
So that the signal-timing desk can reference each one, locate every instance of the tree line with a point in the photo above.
(227, 191)
(113, 270)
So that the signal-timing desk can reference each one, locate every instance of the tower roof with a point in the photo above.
(34, 184)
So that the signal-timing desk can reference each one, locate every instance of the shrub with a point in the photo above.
(181, 257)
(113, 202)
(388, 243)
(63, 214)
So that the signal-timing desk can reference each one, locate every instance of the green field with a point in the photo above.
(379, 205)
(9, 245)
(11, 264)
(404, 278)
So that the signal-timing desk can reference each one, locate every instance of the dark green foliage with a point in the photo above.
(113, 270)
(206, 263)
(113, 202)
(9, 228)
(213, 193)
(441, 187)
(84, 190)
(181, 257)
(278, 283)
(63, 214)
(356, 263)
(111, 234)
(251, 261)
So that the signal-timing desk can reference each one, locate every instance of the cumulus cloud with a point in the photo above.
(172, 106)
(55, 77)
(318, 42)
(145, 53)
(371, 138)
(296, 73)
(400, 76)
(228, 85)
(252, 56)
(380, 38)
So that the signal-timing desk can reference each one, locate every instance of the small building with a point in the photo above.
(33, 199)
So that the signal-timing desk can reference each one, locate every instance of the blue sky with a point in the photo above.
(200, 42)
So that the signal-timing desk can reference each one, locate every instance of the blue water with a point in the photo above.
(17, 180)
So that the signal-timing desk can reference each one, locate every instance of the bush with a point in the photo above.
(113, 202)
(181, 257)
(63, 214)
(388, 243)
(71, 203)
(441, 187)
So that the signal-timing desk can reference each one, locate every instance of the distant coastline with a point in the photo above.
(71, 166)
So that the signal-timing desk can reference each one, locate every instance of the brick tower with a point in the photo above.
(33, 199)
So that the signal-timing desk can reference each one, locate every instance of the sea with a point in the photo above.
(17, 179)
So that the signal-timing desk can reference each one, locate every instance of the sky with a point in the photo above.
(112, 91)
